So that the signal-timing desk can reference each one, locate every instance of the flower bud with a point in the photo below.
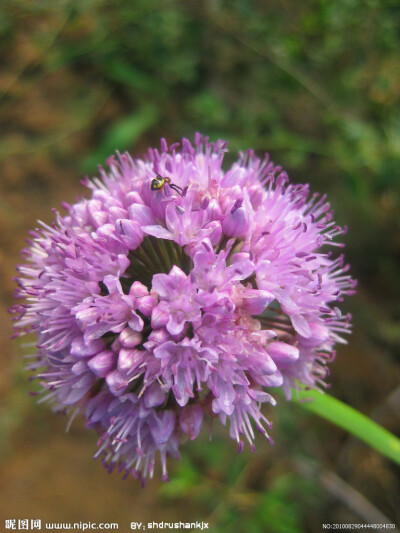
(129, 232)
(138, 290)
(107, 236)
(128, 360)
(257, 300)
(237, 222)
(129, 338)
(146, 304)
(81, 349)
(102, 363)
(117, 382)
(283, 354)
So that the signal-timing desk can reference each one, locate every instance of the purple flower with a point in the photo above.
(158, 309)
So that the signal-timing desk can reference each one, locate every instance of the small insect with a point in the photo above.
(158, 183)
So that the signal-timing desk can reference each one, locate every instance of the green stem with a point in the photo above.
(350, 420)
(162, 254)
(148, 248)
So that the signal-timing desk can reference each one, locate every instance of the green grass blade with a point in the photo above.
(350, 420)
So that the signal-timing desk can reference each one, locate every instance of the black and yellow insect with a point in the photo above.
(158, 183)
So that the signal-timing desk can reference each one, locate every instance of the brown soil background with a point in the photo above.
(52, 119)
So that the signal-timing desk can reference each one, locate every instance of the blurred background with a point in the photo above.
(316, 84)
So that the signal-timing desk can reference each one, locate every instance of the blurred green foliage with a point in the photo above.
(231, 487)
(315, 83)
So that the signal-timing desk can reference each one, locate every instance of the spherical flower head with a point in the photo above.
(179, 293)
